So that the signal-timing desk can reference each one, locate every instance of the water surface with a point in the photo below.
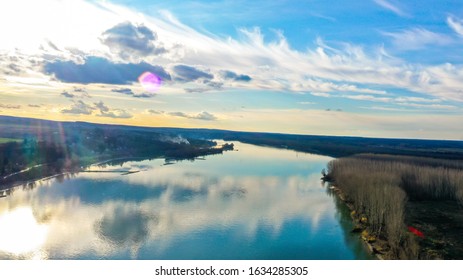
(254, 203)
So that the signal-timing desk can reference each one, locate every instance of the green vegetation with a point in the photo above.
(387, 194)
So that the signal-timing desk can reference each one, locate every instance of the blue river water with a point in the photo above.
(253, 203)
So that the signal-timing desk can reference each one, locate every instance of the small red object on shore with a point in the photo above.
(416, 232)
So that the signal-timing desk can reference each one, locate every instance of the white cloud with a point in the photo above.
(116, 114)
(456, 24)
(417, 38)
(81, 108)
(368, 98)
(204, 116)
(429, 106)
(274, 65)
(415, 99)
(391, 7)
(415, 102)
(320, 94)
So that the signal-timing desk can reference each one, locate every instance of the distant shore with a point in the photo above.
(46, 171)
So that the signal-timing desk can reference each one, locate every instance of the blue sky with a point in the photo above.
(379, 68)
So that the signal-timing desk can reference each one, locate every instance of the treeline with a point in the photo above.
(339, 146)
(379, 186)
(71, 149)
(15, 156)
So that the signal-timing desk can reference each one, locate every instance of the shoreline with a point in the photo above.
(77, 168)
(359, 228)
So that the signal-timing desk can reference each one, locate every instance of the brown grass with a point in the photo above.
(379, 186)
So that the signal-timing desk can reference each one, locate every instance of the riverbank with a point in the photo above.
(403, 207)
(45, 171)
(370, 242)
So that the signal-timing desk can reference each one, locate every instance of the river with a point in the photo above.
(253, 203)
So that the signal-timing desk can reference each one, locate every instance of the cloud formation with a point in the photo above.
(187, 73)
(9, 106)
(116, 114)
(204, 116)
(420, 69)
(131, 41)
(230, 75)
(67, 94)
(417, 38)
(128, 91)
(456, 24)
(101, 70)
(98, 109)
(78, 108)
(391, 7)
(155, 112)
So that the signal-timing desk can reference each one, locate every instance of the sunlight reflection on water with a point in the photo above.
(255, 203)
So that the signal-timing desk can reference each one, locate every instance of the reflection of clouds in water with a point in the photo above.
(124, 226)
(188, 205)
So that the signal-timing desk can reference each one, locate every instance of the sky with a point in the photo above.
(373, 68)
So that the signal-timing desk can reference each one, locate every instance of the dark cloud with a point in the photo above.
(229, 75)
(116, 114)
(178, 114)
(100, 106)
(154, 112)
(215, 85)
(9, 106)
(144, 95)
(100, 70)
(34, 106)
(15, 68)
(211, 85)
(197, 90)
(67, 94)
(128, 40)
(130, 92)
(78, 108)
(205, 116)
(105, 111)
(76, 89)
(187, 73)
(126, 91)
(53, 46)
(82, 92)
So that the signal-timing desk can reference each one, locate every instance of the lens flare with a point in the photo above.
(149, 81)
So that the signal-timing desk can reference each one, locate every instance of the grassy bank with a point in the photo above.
(406, 207)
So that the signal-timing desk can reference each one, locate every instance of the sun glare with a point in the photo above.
(20, 233)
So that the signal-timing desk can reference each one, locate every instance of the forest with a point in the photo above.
(29, 155)
(406, 207)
